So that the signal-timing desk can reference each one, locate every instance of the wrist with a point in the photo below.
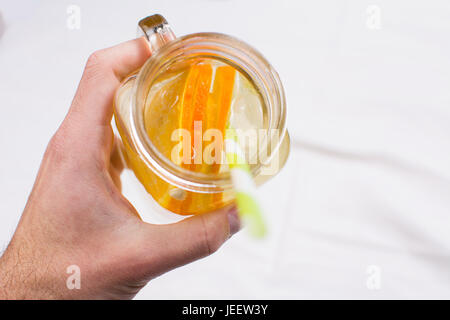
(8, 289)
(21, 280)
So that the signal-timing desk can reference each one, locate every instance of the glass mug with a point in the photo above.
(147, 111)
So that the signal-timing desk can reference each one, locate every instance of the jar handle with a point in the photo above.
(156, 30)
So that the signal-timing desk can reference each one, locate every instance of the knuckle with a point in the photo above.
(56, 146)
(57, 141)
(96, 59)
(96, 64)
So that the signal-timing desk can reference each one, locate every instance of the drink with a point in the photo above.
(185, 96)
(228, 98)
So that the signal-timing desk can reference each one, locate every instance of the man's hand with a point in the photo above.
(76, 214)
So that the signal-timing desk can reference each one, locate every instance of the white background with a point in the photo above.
(366, 193)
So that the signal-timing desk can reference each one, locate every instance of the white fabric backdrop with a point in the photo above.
(365, 195)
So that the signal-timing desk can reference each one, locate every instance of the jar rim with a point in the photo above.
(231, 49)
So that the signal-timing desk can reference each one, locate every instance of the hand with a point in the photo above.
(76, 214)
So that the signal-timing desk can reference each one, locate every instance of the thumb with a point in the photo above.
(177, 244)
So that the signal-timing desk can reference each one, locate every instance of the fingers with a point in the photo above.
(177, 244)
(105, 68)
(86, 130)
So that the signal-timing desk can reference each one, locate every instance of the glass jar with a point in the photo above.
(174, 187)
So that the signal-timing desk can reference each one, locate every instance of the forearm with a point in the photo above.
(22, 279)
(10, 286)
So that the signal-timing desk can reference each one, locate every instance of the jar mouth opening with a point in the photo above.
(238, 54)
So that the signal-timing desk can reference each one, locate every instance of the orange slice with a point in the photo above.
(193, 108)
(212, 110)
(194, 102)
(219, 103)
(219, 109)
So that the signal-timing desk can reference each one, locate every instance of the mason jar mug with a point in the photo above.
(204, 79)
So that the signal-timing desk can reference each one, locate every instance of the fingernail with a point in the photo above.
(233, 220)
